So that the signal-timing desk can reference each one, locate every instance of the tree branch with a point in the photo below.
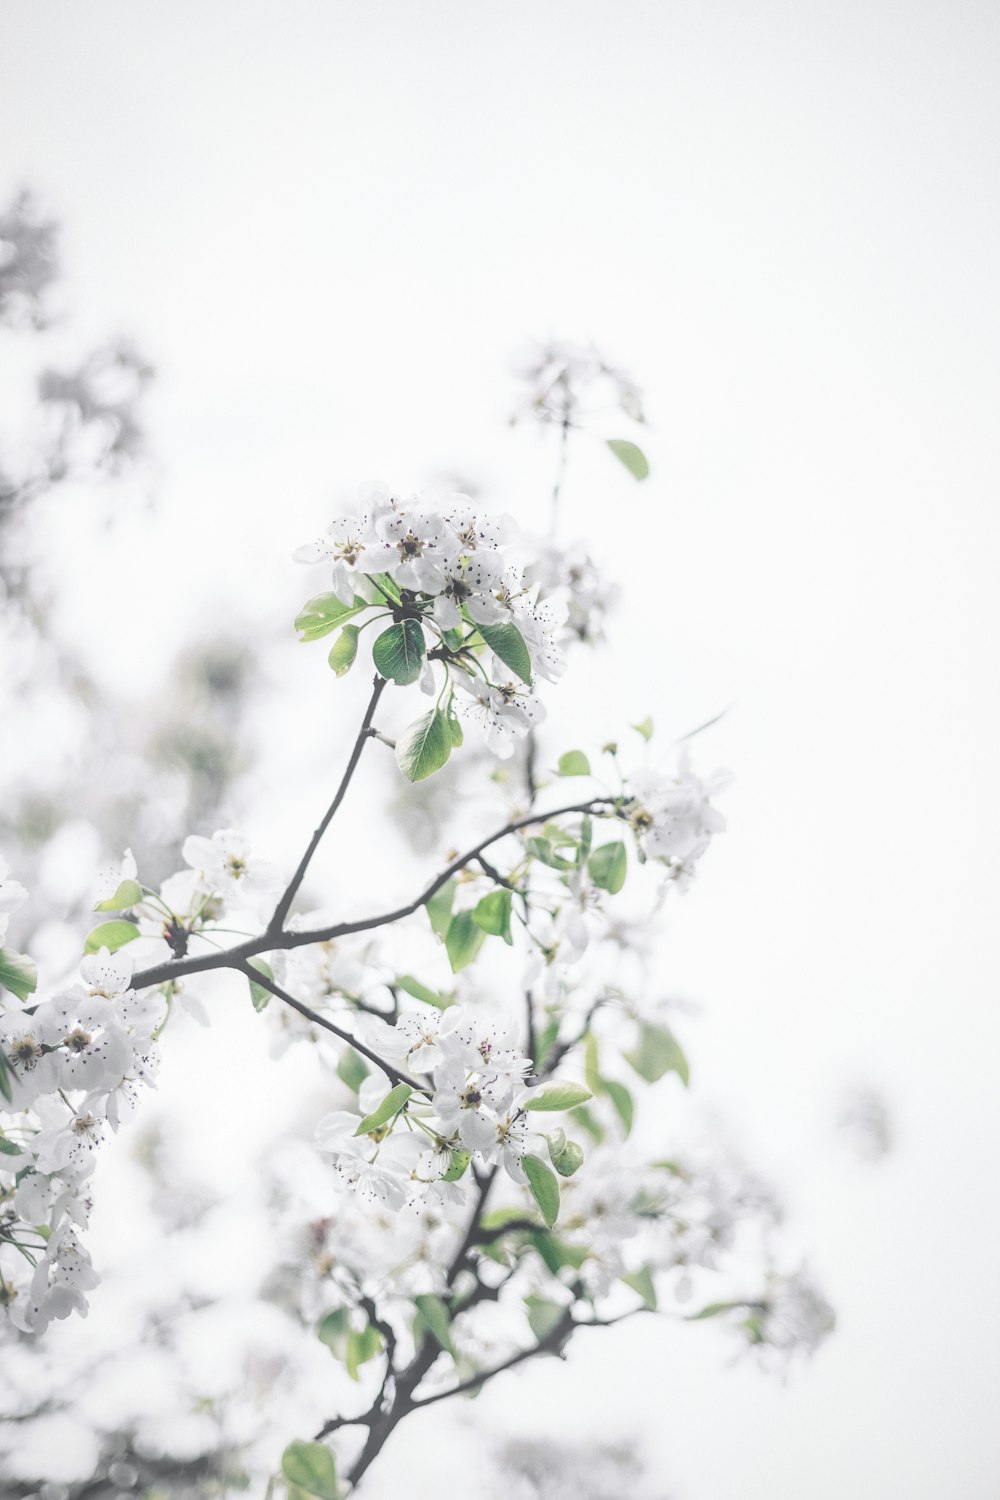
(236, 956)
(277, 921)
(256, 976)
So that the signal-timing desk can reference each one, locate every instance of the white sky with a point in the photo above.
(329, 226)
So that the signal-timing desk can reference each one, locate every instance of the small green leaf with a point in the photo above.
(435, 1318)
(622, 1101)
(311, 1466)
(632, 457)
(323, 613)
(344, 650)
(658, 1052)
(419, 991)
(542, 849)
(361, 1347)
(459, 1166)
(352, 1069)
(592, 1126)
(492, 914)
(507, 642)
(543, 1315)
(645, 729)
(424, 746)
(608, 866)
(712, 1310)
(592, 1063)
(333, 1329)
(455, 728)
(642, 1282)
(386, 1111)
(110, 935)
(128, 894)
(10, 1148)
(259, 994)
(559, 1096)
(5, 1087)
(399, 653)
(19, 973)
(439, 908)
(463, 940)
(557, 1253)
(544, 1187)
(574, 763)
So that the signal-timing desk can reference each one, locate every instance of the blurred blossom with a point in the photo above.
(864, 1124)
(559, 377)
(28, 262)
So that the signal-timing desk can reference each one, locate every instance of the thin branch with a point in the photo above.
(256, 976)
(277, 921)
(235, 957)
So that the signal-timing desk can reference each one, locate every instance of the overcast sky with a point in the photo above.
(330, 226)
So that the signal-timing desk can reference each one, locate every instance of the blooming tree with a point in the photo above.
(480, 1190)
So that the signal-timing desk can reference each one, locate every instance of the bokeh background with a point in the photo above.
(329, 229)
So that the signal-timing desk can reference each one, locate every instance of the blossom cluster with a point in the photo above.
(474, 1109)
(73, 1068)
(446, 579)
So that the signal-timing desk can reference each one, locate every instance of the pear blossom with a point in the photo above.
(505, 706)
(12, 897)
(226, 866)
(113, 876)
(673, 819)
(463, 1102)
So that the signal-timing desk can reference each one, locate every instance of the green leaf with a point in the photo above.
(568, 1160)
(544, 1187)
(622, 1101)
(311, 1466)
(559, 1096)
(712, 1310)
(492, 914)
(424, 746)
(386, 1111)
(10, 1148)
(645, 729)
(642, 1282)
(632, 457)
(463, 940)
(333, 1329)
(591, 1063)
(19, 973)
(455, 728)
(608, 866)
(543, 1315)
(542, 849)
(128, 894)
(259, 996)
(320, 615)
(361, 1347)
(556, 1253)
(574, 763)
(592, 1126)
(420, 991)
(5, 1087)
(459, 1166)
(507, 642)
(439, 908)
(110, 935)
(352, 1069)
(658, 1052)
(435, 1318)
(344, 650)
(398, 653)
